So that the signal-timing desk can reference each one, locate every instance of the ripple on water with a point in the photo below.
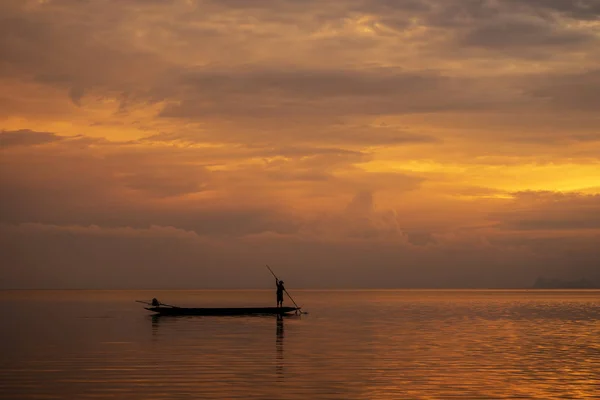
(353, 345)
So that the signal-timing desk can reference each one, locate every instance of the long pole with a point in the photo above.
(286, 292)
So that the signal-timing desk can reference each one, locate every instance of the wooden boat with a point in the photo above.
(167, 309)
(222, 311)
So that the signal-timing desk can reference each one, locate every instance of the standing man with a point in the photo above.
(280, 290)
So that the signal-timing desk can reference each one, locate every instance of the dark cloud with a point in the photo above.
(160, 182)
(313, 83)
(578, 9)
(450, 10)
(517, 29)
(91, 50)
(565, 256)
(364, 135)
(279, 94)
(26, 137)
(121, 185)
(273, 145)
(421, 238)
(67, 51)
(552, 211)
(111, 185)
(272, 138)
(575, 91)
(559, 138)
(103, 203)
(361, 204)
(65, 203)
(520, 33)
(76, 94)
(53, 256)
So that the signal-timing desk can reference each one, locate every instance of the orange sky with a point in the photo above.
(185, 143)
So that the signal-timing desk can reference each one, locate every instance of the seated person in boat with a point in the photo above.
(155, 302)
(280, 290)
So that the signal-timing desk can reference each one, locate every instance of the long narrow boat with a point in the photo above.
(223, 311)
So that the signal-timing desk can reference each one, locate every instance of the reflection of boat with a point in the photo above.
(279, 348)
(222, 311)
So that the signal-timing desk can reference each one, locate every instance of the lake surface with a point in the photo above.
(401, 344)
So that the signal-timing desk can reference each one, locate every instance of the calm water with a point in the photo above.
(353, 345)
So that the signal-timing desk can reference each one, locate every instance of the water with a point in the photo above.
(352, 345)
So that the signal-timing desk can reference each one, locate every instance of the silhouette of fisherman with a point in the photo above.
(155, 302)
(280, 290)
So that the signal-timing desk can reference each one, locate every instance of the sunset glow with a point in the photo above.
(442, 143)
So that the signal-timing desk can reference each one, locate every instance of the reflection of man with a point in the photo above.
(279, 329)
(279, 347)
(280, 290)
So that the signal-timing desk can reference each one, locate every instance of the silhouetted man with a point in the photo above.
(280, 290)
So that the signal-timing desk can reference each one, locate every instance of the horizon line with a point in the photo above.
(299, 289)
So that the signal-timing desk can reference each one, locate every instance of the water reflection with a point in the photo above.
(356, 345)
(155, 324)
(212, 328)
(279, 348)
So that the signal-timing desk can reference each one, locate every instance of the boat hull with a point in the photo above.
(222, 311)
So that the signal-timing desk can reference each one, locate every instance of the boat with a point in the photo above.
(167, 309)
(222, 311)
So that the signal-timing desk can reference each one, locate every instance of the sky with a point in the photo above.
(348, 144)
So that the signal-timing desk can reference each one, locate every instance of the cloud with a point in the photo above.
(366, 142)
(360, 219)
(160, 182)
(76, 94)
(125, 185)
(421, 238)
(50, 44)
(110, 56)
(101, 257)
(571, 91)
(550, 211)
(525, 33)
(284, 93)
(26, 137)
(153, 231)
(128, 185)
(582, 9)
